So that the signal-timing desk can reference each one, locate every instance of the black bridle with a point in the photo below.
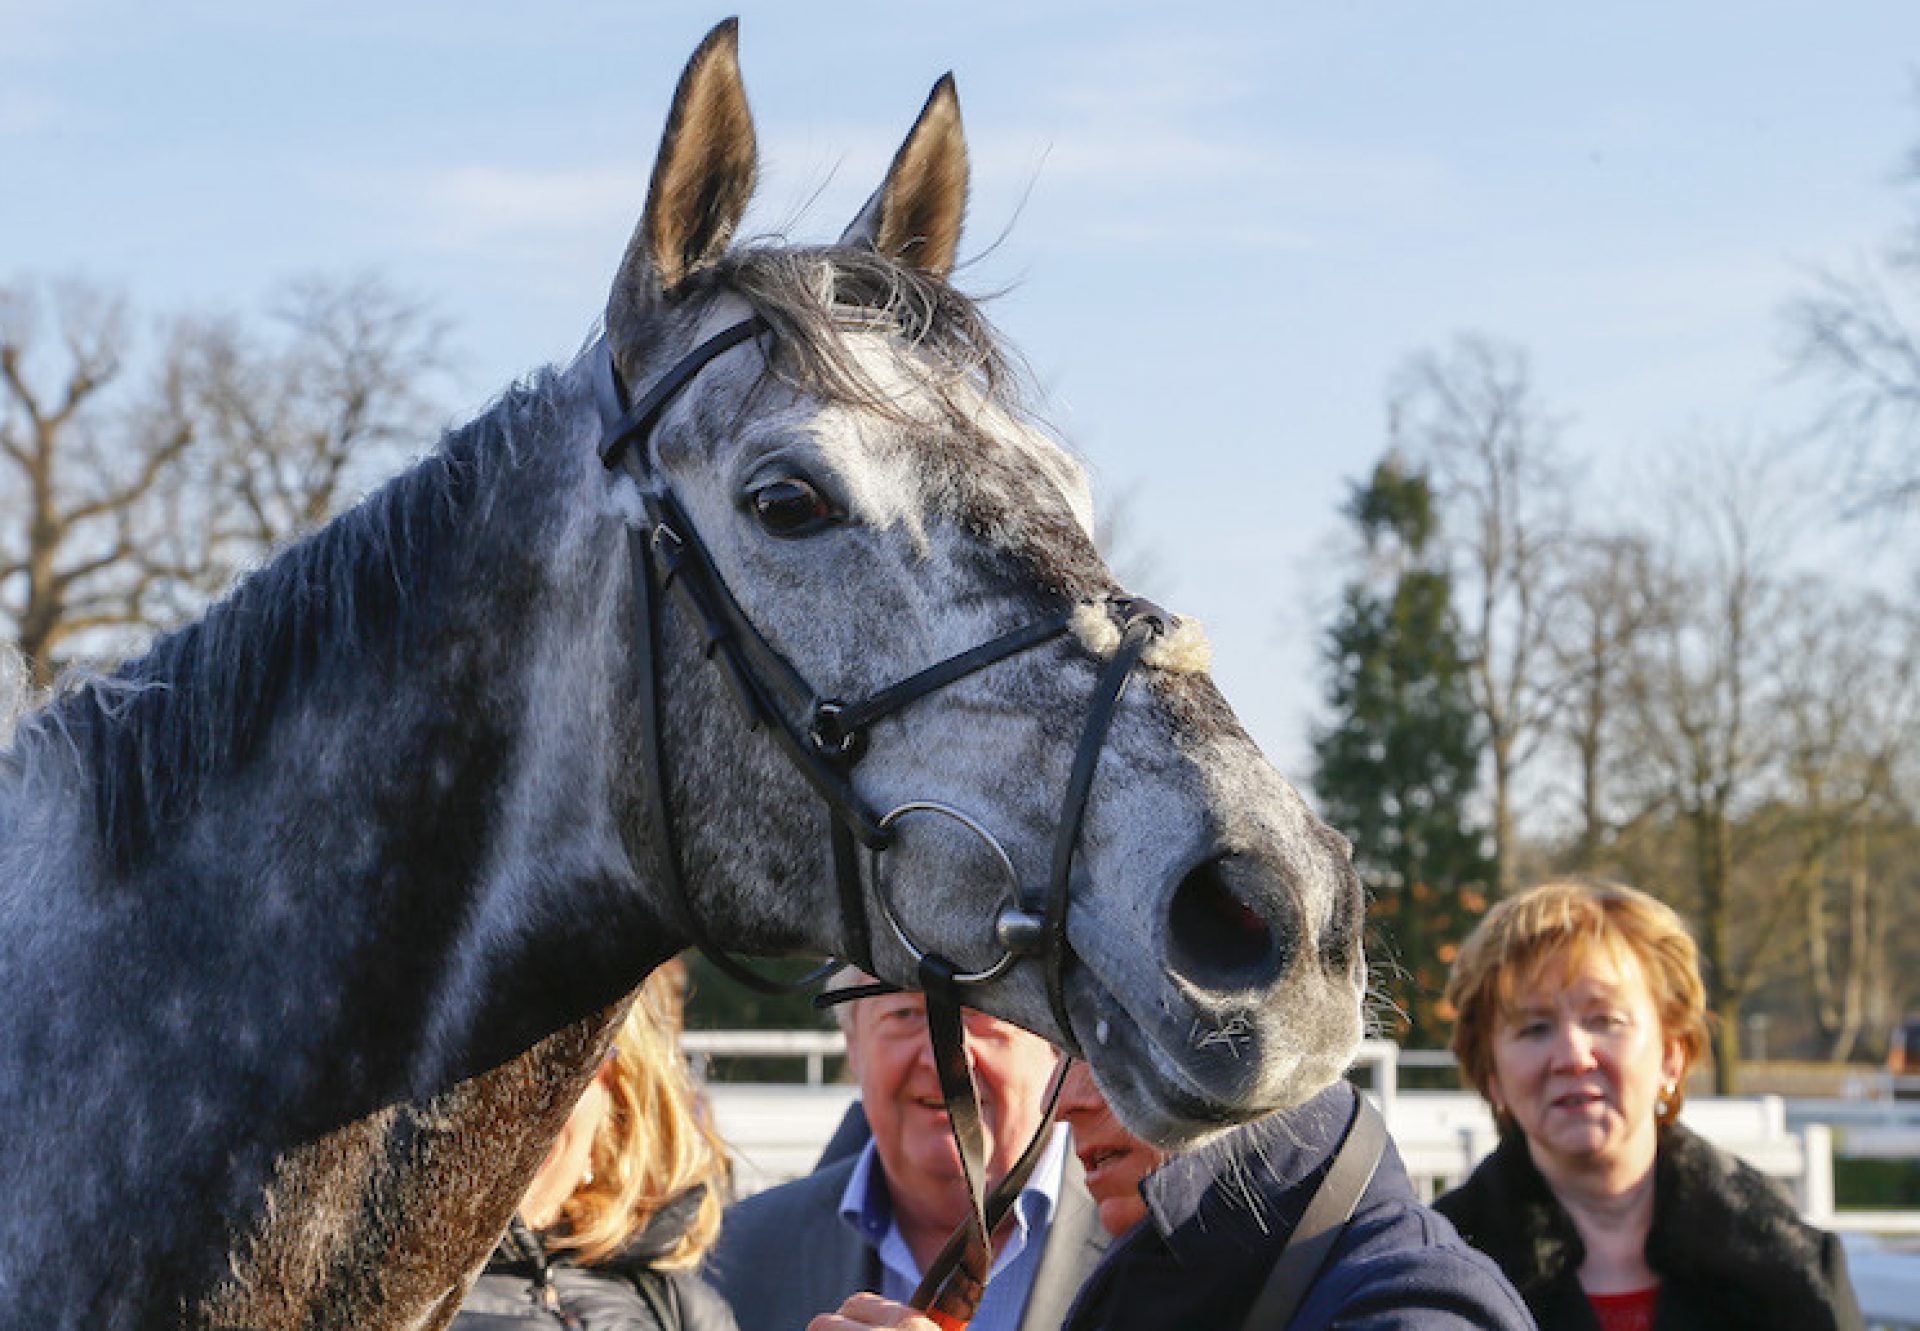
(824, 738)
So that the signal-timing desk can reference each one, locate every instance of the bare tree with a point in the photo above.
(296, 424)
(1861, 335)
(1745, 740)
(1849, 714)
(1472, 418)
(1704, 677)
(71, 561)
(128, 497)
(1888, 856)
(1607, 603)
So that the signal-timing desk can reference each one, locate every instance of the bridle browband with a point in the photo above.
(823, 738)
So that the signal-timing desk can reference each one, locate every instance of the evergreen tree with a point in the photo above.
(1396, 768)
(716, 1001)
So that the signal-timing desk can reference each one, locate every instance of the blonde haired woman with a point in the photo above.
(1579, 1013)
(626, 1204)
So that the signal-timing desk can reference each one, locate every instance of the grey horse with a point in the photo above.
(314, 919)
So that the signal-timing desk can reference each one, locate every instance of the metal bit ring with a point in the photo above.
(1002, 931)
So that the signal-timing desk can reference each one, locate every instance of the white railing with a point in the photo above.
(814, 1046)
(1441, 1135)
(1887, 1282)
(775, 1132)
(1381, 1058)
(1876, 1127)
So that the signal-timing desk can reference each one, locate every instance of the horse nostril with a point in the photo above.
(1218, 939)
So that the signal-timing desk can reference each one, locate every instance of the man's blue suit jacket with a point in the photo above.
(785, 1255)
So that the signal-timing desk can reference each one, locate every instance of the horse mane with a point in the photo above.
(151, 733)
(812, 297)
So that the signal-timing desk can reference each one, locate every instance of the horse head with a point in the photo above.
(859, 474)
(324, 908)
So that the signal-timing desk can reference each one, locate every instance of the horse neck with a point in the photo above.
(334, 818)
(421, 825)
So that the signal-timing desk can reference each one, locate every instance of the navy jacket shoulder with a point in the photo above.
(1219, 1218)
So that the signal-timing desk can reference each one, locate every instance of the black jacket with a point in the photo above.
(523, 1289)
(1729, 1248)
(1219, 1217)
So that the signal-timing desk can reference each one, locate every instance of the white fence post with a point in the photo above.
(1816, 1184)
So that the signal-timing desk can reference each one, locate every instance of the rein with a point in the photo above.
(823, 738)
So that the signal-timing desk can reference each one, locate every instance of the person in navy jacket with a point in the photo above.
(1198, 1235)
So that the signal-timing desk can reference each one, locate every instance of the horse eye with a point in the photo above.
(790, 506)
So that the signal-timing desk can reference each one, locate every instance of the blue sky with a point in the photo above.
(1219, 228)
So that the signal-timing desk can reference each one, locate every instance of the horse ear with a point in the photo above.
(702, 178)
(916, 213)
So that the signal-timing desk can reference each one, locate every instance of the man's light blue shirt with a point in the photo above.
(867, 1209)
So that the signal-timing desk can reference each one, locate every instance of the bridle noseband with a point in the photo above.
(823, 738)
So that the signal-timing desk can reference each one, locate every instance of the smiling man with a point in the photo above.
(874, 1220)
(1205, 1240)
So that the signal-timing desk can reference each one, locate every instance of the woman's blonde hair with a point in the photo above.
(1555, 927)
(655, 1144)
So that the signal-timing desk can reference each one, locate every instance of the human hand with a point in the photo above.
(864, 1310)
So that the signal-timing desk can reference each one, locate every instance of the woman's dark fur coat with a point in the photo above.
(1730, 1249)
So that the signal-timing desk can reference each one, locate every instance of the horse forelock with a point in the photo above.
(149, 735)
(858, 330)
(811, 297)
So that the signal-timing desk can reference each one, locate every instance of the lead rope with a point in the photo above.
(963, 1250)
(952, 1298)
(955, 1282)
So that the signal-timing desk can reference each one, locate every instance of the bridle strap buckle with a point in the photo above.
(831, 736)
(667, 547)
(1139, 610)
